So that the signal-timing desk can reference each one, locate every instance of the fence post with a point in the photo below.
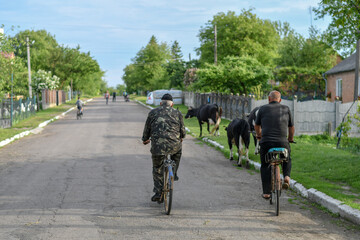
(20, 108)
(295, 118)
(337, 114)
(27, 105)
(252, 103)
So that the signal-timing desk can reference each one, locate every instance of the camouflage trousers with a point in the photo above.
(158, 169)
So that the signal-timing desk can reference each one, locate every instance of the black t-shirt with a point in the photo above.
(274, 119)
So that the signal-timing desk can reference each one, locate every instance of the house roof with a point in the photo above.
(348, 64)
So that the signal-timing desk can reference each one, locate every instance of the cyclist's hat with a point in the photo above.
(167, 97)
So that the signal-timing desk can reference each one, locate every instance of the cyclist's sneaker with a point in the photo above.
(156, 197)
(176, 178)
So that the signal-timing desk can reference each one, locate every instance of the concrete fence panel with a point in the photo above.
(310, 117)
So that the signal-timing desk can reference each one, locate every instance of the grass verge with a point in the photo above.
(34, 121)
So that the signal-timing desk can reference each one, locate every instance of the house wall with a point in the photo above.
(347, 85)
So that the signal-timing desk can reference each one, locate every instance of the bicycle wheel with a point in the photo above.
(277, 190)
(272, 195)
(168, 190)
(77, 115)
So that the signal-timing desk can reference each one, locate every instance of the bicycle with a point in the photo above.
(167, 193)
(276, 156)
(78, 114)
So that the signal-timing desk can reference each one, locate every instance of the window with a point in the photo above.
(339, 88)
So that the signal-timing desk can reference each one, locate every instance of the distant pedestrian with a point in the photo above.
(107, 95)
(79, 105)
(114, 97)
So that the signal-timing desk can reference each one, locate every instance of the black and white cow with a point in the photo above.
(251, 121)
(209, 113)
(238, 132)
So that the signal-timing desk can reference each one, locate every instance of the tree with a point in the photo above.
(45, 51)
(176, 51)
(11, 65)
(75, 68)
(175, 74)
(120, 89)
(239, 35)
(344, 29)
(44, 80)
(233, 75)
(175, 68)
(311, 53)
(147, 72)
(302, 62)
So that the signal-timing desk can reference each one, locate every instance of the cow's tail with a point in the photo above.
(218, 119)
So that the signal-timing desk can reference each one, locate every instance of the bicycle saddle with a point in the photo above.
(282, 151)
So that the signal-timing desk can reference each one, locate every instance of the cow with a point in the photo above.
(251, 121)
(209, 113)
(238, 132)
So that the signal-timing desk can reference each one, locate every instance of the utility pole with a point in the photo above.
(71, 89)
(29, 68)
(215, 46)
(189, 57)
(357, 62)
(12, 96)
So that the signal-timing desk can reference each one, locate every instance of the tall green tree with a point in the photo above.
(233, 75)
(176, 53)
(73, 67)
(80, 70)
(344, 29)
(11, 65)
(302, 61)
(175, 68)
(311, 53)
(238, 35)
(45, 50)
(147, 72)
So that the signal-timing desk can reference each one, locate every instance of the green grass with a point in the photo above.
(8, 133)
(35, 120)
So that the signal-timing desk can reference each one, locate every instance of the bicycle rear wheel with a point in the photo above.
(272, 195)
(168, 190)
(277, 190)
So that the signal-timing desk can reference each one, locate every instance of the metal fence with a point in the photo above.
(233, 105)
(310, 117)
(21, 109)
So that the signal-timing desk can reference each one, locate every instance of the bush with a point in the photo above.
(320, 138)
(352, 144)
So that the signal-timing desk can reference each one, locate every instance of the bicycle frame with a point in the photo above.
(168, 186)
(275, 157)
(169, 164)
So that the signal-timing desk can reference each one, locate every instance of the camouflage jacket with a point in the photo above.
(165, 126)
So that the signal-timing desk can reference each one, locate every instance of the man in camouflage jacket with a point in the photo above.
(165, 126)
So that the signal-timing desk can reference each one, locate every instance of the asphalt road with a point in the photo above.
(91, 179)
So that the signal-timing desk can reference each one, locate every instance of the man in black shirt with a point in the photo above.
(275, 127)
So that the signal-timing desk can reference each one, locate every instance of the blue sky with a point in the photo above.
(115, 30)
